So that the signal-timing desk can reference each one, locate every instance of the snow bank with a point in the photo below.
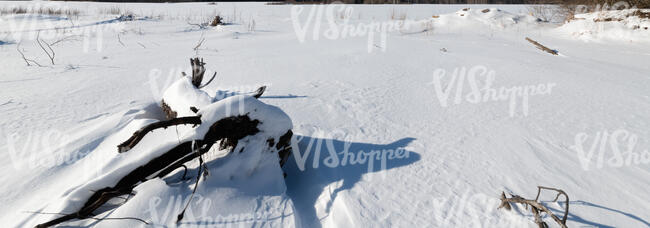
(474, 19)
(618, 25)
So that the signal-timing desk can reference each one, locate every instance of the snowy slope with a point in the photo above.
(440, 162)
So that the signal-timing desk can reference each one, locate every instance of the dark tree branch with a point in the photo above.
(139, 134)
(27, 61)
(206, 84)
(227, 130)
(259, 92)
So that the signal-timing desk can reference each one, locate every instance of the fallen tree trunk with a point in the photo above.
(228, 131)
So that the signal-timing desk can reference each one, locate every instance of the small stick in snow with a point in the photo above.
(120, 40)
(536, 207)
(25, 58)
(542, 47)
(49, 54)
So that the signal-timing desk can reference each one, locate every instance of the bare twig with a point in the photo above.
(64, 39)
(559, 192)
(121, 218)
(120, 40)
(49, 54)
(27, 61)
(198, 45)
(180, 216)
(201, 26)
(537, 207)
(207, 83)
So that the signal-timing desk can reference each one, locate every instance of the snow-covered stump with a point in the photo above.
(256, 136)
(185, 96)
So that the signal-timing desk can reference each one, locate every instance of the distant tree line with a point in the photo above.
(638, 3)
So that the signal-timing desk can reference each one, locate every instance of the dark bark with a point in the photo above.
(139, 134)
(228, 130)
(198, 70)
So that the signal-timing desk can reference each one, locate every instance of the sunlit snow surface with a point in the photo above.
(442, 155)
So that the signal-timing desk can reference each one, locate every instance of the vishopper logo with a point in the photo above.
(46, 149)
(175, 89)
(621, 5)
(613, 149)
(374, 159)
(200, 213)
(480, 81)
(35, 24)
(160, 80)
(337, 17)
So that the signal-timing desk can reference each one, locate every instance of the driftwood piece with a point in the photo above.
(259, 92)
(542, 47)
(228, 130)
(198, 70)
(536, 207)
(139, 134)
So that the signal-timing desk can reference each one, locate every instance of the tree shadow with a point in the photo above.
(575, 218)
(306, 184)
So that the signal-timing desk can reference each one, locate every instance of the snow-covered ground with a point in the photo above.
(423, 123)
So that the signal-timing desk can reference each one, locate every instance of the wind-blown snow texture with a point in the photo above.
(379, 139)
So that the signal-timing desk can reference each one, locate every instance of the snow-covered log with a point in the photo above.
(256, 135)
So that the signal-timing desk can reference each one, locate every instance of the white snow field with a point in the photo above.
(421, 121)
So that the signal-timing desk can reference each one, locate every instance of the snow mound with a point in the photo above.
(181, 95)
(242, 188)
(475, 19)
(620, 25)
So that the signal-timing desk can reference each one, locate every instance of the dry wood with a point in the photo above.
(259, 92)
(537, 207)
(542, 47)
(198, 70)
(139, 134)
(228, 130)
